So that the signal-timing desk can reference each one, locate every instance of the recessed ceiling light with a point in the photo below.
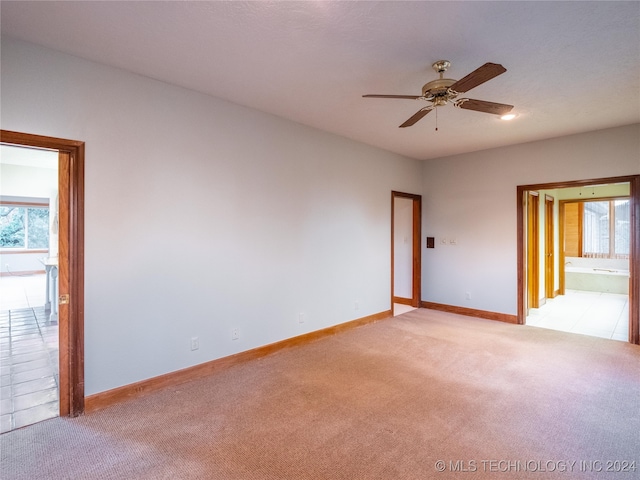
(508, 116)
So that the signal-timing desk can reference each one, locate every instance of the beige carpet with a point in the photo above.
(389, 400)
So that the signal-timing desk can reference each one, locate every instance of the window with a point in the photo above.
(24, 227)
(606, 229)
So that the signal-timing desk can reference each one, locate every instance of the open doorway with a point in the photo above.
(406, 213)
(67, 301)
(589, 280)
(28, 285)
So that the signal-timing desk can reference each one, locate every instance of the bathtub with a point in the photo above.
(596, 279)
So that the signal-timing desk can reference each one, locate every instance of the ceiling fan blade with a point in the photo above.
(408, 97)
(417, 116)
(484, 106)
(480, 75)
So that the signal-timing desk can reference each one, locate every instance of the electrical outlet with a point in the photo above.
(301, 318)
(195, 343)
(356, 305)
(453, 241)
(235, 334)
(467, 295)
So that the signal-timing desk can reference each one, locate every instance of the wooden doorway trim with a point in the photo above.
(561, 243)
(71, 262)
(416, 268)
(634, 250)
(533, 250)
(549, 248)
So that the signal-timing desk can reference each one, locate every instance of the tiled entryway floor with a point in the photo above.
(603, 315)
(399, 309)
(28, 354)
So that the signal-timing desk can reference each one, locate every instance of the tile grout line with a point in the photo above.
(30, 320)
(51, 364)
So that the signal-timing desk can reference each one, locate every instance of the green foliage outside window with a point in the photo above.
(24, 227)
(38, 222)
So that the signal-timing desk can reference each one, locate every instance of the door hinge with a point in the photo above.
(63, 299)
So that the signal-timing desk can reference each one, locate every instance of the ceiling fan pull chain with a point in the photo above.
(436, 119)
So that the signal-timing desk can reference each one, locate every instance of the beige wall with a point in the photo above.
(473, 197)
(202, 216)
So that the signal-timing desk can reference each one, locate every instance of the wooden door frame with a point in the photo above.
(549, 247)
(533, 249)
(416, 291)
(561, 236)
(634, 250)
(71, 262)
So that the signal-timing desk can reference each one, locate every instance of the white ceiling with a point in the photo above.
(28, 157)
(571, 66)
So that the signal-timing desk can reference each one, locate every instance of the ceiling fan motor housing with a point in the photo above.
(437, 91)
(438, 88)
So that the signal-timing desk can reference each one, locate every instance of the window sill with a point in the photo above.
(8, 251)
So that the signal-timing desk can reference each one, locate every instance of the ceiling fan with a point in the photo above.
(441, 91)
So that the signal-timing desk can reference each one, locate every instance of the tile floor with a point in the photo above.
(603, 315)
(399, 309)
(28, 354)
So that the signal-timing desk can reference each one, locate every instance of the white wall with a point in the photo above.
(24, 181)
(20, 263)
(472, 198)
(203, 216)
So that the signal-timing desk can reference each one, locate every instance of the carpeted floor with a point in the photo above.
(426, 395)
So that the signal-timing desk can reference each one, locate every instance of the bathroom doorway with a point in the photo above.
(595, 286)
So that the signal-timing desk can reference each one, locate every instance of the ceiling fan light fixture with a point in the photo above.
(442, 90)
(440, 101)
(508, 116)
